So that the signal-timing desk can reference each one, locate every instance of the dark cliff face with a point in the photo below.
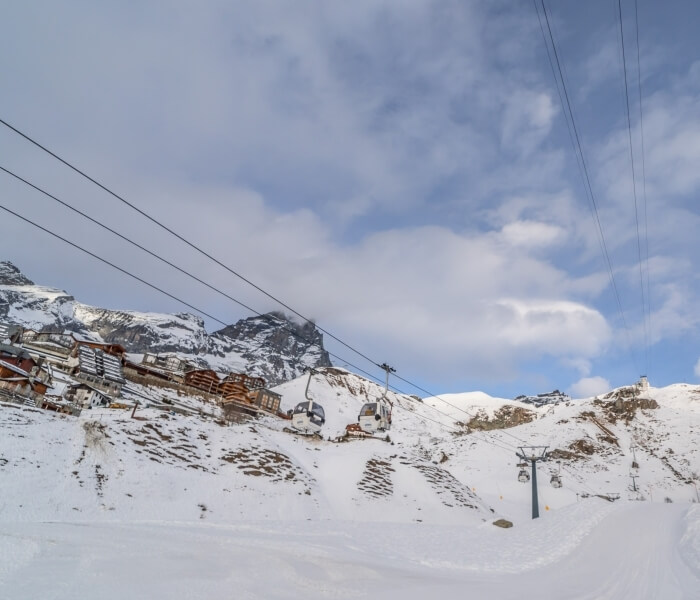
(277, 348)
(11, 275)
(141, 333)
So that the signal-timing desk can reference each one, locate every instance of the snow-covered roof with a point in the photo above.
(15, 369)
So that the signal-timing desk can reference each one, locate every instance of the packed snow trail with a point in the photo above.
(633, 551)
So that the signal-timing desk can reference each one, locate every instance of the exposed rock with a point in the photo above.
(503, 418)
(503, 523)
(553, 397)
(275, 347)
(623, 404)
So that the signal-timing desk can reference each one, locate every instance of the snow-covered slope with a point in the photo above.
(190, 506)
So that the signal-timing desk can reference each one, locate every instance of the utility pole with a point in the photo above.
(534, 454)
(388, 370)
(634, 481)
(635, 464)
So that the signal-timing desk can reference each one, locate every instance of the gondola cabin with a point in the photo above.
(308, 417)
(375, 416)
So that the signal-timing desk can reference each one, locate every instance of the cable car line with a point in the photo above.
(182, 238)
(438, 397)
(174, 266)
(217, 290)
(634, 178)
(162, 291)
(589, 187)
(644, 187)
(191, 306)
(121, 199)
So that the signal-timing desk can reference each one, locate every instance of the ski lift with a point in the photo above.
(308, 417)
(555, 480)
(376, 416)
(523, 476)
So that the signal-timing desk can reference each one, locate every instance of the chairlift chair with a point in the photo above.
(523, 476)
(556, 477)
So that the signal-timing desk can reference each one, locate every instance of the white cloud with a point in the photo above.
(697, 368)
(532, 234)
(376, 165)
(588, 387)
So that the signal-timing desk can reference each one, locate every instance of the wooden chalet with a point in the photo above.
(20, 382)
(237, 386)
(17, 356)
(203, 379)
(266, 400)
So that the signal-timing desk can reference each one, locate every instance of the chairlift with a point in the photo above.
(555, 480)
(308, 417)
(375, 416)
(523, 476)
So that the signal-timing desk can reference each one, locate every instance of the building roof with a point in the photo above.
(14, 369)
(14, 350)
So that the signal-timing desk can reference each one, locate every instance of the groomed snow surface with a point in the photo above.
(178, 506)
(632, 551)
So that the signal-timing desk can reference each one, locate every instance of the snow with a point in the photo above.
(179, 506)
(606, 558)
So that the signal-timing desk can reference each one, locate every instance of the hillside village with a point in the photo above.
(63, 372)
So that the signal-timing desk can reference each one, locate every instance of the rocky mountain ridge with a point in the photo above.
(271, 346)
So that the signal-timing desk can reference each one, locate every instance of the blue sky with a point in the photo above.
(399, 171)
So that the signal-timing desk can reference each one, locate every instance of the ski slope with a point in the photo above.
(180, 506)
(630, 552)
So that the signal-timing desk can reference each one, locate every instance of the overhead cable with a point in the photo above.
(588, 187)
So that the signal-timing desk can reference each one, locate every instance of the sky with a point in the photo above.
(399, 171)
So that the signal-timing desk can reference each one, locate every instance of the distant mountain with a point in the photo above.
(554, 397)
(271, 346)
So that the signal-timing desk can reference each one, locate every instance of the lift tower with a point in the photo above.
(534, 454)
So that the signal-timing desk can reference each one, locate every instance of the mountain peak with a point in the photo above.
(283, 347)
(11, 275)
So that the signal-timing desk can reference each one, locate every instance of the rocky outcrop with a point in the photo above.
(503, 418)
(276, 347)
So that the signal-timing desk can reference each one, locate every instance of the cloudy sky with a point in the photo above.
(400, 171)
